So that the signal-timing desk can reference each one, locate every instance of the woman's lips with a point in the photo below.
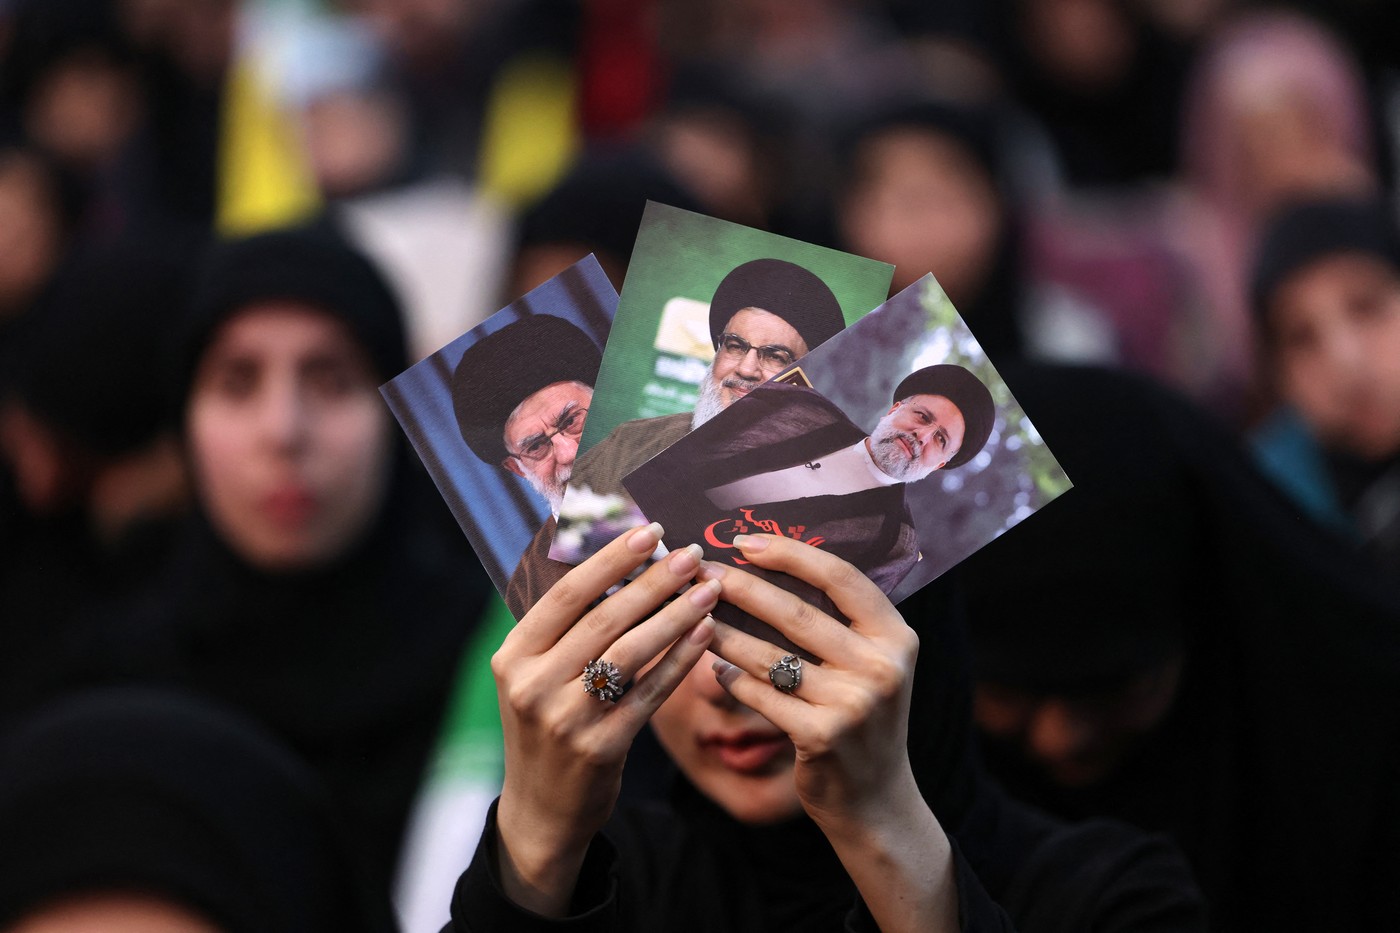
(748, 752)
(289, 506)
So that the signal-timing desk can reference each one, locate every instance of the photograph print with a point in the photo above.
(709, 310)
(496, 415)
(895, 446)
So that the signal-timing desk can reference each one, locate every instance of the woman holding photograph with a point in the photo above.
(804, 800)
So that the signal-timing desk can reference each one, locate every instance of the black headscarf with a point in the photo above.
(1302, 233)
(87, 355)
(1047, 876)
(1276, 768)
(84, 363)
(314, 265)
(349, 663)
(598, 205)
(160, 794)
(994, 312)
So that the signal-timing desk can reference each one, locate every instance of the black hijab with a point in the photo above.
(978, 132)
(161, 794)
(79, 363)
(1276, 768)
(1039, 874)
(350, 663)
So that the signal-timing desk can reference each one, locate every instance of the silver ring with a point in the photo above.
(602, 680)
(786, 673)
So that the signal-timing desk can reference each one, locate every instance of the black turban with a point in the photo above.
(1310, 230)
(503, 369)
(314, 265)
(964, 390)
(783, 288)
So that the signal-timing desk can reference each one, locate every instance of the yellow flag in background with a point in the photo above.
(530, 134)
(264, 179)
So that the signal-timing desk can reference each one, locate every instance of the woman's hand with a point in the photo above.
(564, 748)
(848, 719)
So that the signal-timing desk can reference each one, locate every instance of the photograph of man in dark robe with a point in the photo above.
(765, 315)
(521, 396)
(788, 461)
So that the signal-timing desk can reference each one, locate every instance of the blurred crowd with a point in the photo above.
(241, 636)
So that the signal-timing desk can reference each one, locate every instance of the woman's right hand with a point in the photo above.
(564, 749)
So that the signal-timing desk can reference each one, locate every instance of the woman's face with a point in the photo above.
(730, 754)
(289, 440)
(1336, 348)
(921, 202)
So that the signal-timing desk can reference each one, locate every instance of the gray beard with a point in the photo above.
(709, 404)
(890, 458)
(553, 492)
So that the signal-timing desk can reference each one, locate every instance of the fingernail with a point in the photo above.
(644, 540)
(701, 631)
(724, 672)
(686, 559)
(711, 571)
(705, 595)
(750, 543)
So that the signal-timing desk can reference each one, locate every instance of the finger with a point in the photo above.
(653, 688)
(640, 646)
(784, 710)
(804, 624)
(606, 622)
(756, 657)
(560, 607)
(849, 588)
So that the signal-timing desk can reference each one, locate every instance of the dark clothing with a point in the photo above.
(698, 869)
(1277, 766)
(690, 866)
(350, 665)
(775, 427)
(157, 793)
(55, 576)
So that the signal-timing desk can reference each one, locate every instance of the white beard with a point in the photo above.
(552, 491)
(711, 402)
(889, 456)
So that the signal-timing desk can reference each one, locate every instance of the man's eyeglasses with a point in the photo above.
(539, 446)
(736, 348)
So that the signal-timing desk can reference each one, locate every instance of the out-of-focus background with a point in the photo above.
(223, 223)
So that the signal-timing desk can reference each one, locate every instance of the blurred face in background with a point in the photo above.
(1078, 738)
(31, 229)
(289, 440)
(114, 913)
(422, 32)
(920, 201)
(84, 108)
(1335, 328)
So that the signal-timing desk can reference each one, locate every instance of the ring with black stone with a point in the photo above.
(786, 673)
(602, 680)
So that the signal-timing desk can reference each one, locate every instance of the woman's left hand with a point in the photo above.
(849, 715)
(849, 720)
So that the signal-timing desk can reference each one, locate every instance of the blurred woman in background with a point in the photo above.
(321, 588)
